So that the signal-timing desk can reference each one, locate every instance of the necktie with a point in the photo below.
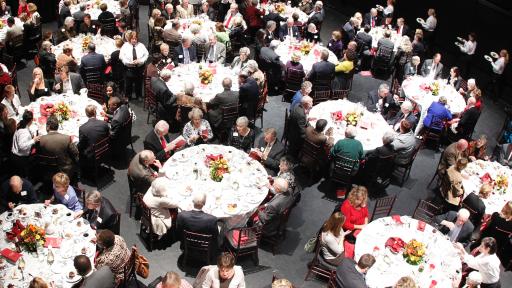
(229, 20)
(211, 55)
(373, 22)
(290, 33)
(164, 144)
(134, 53)
(13, 108)
(267, 150)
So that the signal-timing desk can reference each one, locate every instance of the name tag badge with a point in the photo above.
(386, 105)
(23, 193)
(330, 44)
(235, 134)
(262, 149)
(180, 56)
(66, 197)
(99, 220)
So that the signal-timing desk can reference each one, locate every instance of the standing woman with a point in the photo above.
(403, 56)
(22, 144)
(335, 44)
(498, 67)
(133, 55)
(430, 26)
(35, 18)
(487, 263)
(468, 50)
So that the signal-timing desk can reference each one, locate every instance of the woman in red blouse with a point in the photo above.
(355, 209)
(23, 8)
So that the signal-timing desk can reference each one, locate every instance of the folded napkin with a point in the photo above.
(16, 229)
(11, 255)
(214, 157)
(397, 219)
(395, 244)
(254, 155)
(52, 241)
(486, 178)
(316, 52)
(337, 116)
(204, 133)
(433, 284)
(421, 226)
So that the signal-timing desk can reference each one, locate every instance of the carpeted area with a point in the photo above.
(290, 260)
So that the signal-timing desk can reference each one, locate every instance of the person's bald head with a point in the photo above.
(462, 145)
(16, 184)
(114, 102)
(146, 157)
(307, 102)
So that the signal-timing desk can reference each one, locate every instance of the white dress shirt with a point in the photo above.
(430, 24)
(22, 142)
(126, 54)
(498, 66)
(487, 265)
(388, 10)
(469, 47)
(11, 113)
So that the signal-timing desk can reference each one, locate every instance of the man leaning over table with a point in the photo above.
(16, 190)
(65, 194)
(456, 225)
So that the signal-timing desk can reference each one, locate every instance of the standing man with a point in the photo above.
(248, 95)
(133, 55)
(215, 51)
(90, 133)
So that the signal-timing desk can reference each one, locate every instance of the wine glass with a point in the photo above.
(21, 266)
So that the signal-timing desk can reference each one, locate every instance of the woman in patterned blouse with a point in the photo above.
(113, 253)
(197, 130)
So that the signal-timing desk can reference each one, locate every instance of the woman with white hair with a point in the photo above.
(159, 199)
(242, 137)
(241, 60)
(185, 10)
(67, 31)
(255, 72)
(197, 130)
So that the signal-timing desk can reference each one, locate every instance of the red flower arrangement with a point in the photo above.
(47, 109)
(395, 244)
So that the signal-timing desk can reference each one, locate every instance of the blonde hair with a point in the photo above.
(282, 283)
(506, 211)
(485, 190)
(32, 7)
(38, 282)
(37, 69)
(405, 282)
(60, 179)
(504, 54)
(357, 192)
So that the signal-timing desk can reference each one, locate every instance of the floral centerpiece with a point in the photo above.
(280, 8)
(218, 167)
(198, 22)
(46, 109)
(305, 47)
(352, 118)
(434, 88)
(31, 237)
(501, 182)
(85, 42)
(414, 252)
(62, 111)
(206, 76)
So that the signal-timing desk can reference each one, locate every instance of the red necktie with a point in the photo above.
(229, 20)
(164, 144)
(373, 22)
(399, 30)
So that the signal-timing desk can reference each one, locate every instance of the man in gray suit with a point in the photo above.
(350, 274)
(456, 225)
(68, 81)
(223, 99)
(215, 51)
(269, 214)
(432, 68)
(141, 170)
(80, 14)
(385, 42)
(101, 278)
(270, 150)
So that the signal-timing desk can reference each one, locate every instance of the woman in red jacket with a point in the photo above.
(355, 209)
(23, 8)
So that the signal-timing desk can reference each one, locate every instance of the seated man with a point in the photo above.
(68, 82)
(270, 150)
(456, 225)
(404, 143)
(215, 51)
(92, 61)
(269, 214)
(405, 112)
(196, 220)
(451, 154)
(118, 132)
(160, 200)
(317, 136)
(350, 274)
(16, 190)
(90, 133)
(100, 213)
(305, 90)
(382, 101)
(64, 194)
(474, 202)
(432, 68)
(437, 114)
(101, 278)
(221, 100)
(159, 142)
(465, 125)
(348, 147)
(143, 170)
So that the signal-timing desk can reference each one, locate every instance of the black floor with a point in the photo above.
(305, 220)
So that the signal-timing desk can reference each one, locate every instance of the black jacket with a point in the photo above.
(152, 142)
(274, 156)
(26, 196)
(477, 205)
(323, 70)
(117, 66)
(178, 52)
(248, 98)
(89, 134)
(47, 63)
(105, 219)
(198, 222)
(223, 99)
(467, 122)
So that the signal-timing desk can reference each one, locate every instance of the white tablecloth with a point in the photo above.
(244, 186)
(288, 12)
(207, 26)
(479, 168)
(93, 8)
(17, 22)
(411, 89)
(378, 32)
(390, 267)
(62, 225)
(104, 46)
(371, 137)
(286, 49)
(190, 73)
(70, 127)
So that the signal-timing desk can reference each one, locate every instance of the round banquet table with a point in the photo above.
(75, 237)
(104, 46)
(412, 90)
(286, 49)
(207, 26)
(378, 32)
(370, 128)
(190, 73)
(17, 22)
(441, 262)
(94, 9)
(477, 169)
(245, 185)
(288, 12)
(70, 127)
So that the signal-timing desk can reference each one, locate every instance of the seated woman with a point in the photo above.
(242, 137)
(173, 280)
(343, 70)
(294, 64)
(87, 27)
(241, 60)
(256, 73)
(40, 85)
(454, 79)
(475, 203)
(113, 253)
(158, 199)
(335, 44)
(477, 149)
(451, 184)
(64, 194)
(332, 239)
(355, 210)
(487, 263)
(197, 130)
(224, 274)
(111, 91)
(286, 173)
(312, 34)
(220, 32)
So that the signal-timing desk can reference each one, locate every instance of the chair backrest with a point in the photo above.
(108, 27)
(117, 225)
(343, 170)
(145, 218)
(294, 78)
(96, 91)
(201, 50)
(129, 271)
(46, 161)
(101, 149)
(383, 207)
(284, 139)
(248, 236)
(309, 154)
(340, 94)
(93, 75)
(127, 130)
(196, 242)
(473, 214)
(16, 41)
(320, 96)
(463, 84)
(283, 221)
(414, 153)
(332, 280)
(425, 211)
(229, 115)
(385, 166)
(322, 84)
(260, 106)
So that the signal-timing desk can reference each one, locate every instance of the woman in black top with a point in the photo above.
(500, 222)
(39, 86)
(87, 27)
(242, 137)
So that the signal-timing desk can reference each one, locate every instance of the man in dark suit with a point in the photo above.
(105, 15)
(372, 18)
(196, 220)
(381, 100)
(269, 214)
(468, 120)
(323, 139)
(143, 170)
(248, 95)
(47, 60)
(432, 68)
(364, 40)
(411, 67)
(168, 13)
(297, 124)
(118, 131)
(90, 133)
(274, 16)
(158, 141)
(270, 150)
(100, 278)
(401, 28)
(289, 30)
(16, 190)
(405, 112)
(323, 70)
(186, 52)
(100, 213)
(474, 202)
(64, 11)
(223, 99)
(456, 225)
(349, 31)
(80, 14)
(385, 42)
(317, 17)
(68, 81)
(59, 145)
(166, 101)
(92, 61)
(350, 274)
(272, 65)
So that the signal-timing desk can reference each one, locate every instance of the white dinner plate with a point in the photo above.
(420, 20)
(460, 39)
(75, 279)
(183, 191)
(252, 199)
(232, 211)
(57, 268)
(488, 58)
(495, 55)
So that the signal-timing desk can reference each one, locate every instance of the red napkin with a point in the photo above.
(46, 109)
(179, 142)
(53, 241)
(243, 239)
(214, 157)
(10, 255)
(337, 116)
(397, 219)
(316, 52)
(254, 155)
(421, 226)
(365, 73)
(432, 266)
(433, 284)
(340, 193)
(204, 133)
(41, 120)
(169, 66)
(486, 178)
(15, 231)
(395, 244)
(108, 69)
